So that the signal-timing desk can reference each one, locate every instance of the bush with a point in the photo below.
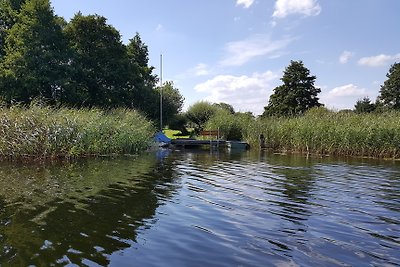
(231, 126)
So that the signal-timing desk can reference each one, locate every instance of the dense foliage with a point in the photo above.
(8, 17)
(320, 131)
(232, 126)
(98, 63)
(44, 132)
(364, 105)
(225, 106)
(82, 63)
(199, 113)
(390, 90)
(36, 57)
(296, 95)
(172, 103)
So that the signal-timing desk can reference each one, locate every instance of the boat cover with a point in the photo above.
(160, 137)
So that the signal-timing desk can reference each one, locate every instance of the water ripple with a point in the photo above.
(202, 209)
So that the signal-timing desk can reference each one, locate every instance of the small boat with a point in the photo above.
(237, 145)
(161, 139)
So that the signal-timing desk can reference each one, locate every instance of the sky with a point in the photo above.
(235, 51)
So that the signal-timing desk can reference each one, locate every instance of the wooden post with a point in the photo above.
(262, 141)
(218, 138)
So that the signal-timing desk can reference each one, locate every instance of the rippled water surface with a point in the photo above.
(201, 208)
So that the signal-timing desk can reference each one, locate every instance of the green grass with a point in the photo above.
(44, 132)
(173, 134)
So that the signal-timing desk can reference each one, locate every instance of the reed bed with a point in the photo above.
(43, 132)
(321, 131)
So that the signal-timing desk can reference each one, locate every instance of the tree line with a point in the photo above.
(80, 63)
(298, 94)
(294, 97)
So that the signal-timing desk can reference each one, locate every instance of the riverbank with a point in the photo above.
(47, 133)
(321, 131)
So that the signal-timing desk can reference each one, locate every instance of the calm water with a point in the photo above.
(201, 209)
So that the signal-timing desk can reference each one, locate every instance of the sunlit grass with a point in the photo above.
(174, 134)
(44, 132)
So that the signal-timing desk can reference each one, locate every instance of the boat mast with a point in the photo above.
(161, 93)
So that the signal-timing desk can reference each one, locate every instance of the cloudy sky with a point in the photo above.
(235, 51)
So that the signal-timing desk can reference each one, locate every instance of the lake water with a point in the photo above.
(201, 208)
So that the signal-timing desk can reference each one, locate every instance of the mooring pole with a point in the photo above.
(161, 94)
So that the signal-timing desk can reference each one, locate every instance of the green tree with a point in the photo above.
(390, 90)
(35, 58)
(296, 95)
(199, 113)
(9, 10)
(179, 122)
(140, 91)
(225, 106)
(172, 101)
(99, 63)
(364, 105)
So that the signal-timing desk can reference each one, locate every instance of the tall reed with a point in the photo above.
(44, 132)
(326, 132)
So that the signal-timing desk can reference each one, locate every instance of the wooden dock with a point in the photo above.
(193, 142)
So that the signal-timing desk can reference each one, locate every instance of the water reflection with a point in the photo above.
(80, 213)
(201, 208)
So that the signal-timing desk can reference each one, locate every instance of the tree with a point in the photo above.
(179, 122)
(296, 95)
(9, 10)
(35, 58)
(390, 90)
(225, 106)
(199, 113)
(172, 102)
(364, 105)
(99, 63)
(141, 82)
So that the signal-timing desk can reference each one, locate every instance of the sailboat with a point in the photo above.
(160, 138)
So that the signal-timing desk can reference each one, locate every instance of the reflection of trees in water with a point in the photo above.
(207, 157)
(293, 177)
(85, 221)
(298, 176)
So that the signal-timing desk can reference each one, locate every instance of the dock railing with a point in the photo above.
(210, 134)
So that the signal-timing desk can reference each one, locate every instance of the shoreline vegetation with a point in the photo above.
(319, 131)
(80, 70)
(41, 132)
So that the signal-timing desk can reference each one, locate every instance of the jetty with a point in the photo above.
(212, 139)
(195, 142)
(163, 141)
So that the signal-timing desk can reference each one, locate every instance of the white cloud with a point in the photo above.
(345, 57)
(244, 93)
(240, 52)
(201, 70)
(245, 3)
(379, 60)
(343, 97)
(284, 8)
(346, 91)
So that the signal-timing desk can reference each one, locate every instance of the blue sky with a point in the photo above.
(235, 51)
